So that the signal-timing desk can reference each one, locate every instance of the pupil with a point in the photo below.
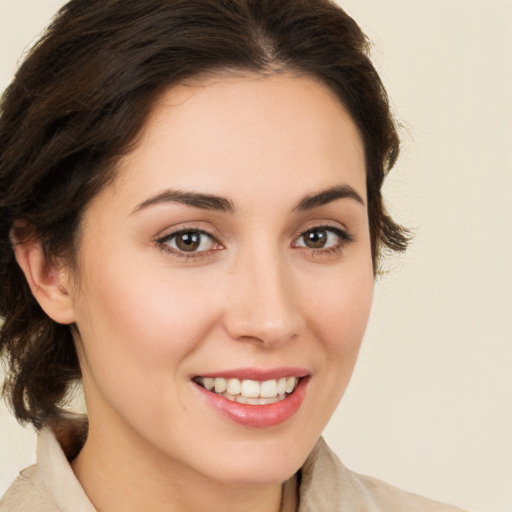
(188, 241)
(316, 239)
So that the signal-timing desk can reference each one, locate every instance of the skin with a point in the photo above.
(149, 318)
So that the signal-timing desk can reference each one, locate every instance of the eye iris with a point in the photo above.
(188, 241)
(315, 239)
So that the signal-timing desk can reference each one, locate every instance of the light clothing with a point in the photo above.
(328, 486)
(48, 486)
(324, 485)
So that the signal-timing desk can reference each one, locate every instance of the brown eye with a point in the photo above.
(315, 239)
(322, 238)
(189, 241)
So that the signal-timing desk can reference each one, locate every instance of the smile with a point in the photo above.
(250, 392)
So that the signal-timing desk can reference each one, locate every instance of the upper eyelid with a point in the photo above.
(327, 226)
(169, 233)
(321, 226)
(339, 230)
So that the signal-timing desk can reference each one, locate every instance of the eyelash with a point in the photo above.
(344, 238)
(164, 241)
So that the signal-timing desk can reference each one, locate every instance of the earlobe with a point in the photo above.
(48, 281)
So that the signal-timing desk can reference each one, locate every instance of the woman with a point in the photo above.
(191, 224)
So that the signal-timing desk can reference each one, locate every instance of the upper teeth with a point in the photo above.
(250, 388)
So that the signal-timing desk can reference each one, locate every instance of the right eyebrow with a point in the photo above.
(327, 196)
(195, 199)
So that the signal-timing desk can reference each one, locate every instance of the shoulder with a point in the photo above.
(386, 496)
(51, 485)
(28, 494)
(327, 485)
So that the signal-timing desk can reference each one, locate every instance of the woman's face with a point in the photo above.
(232, 250)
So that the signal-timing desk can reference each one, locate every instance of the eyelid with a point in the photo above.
(344, 235)
(161, 241)
(336, 228)
(199, 227)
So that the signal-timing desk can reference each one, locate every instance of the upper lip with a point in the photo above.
(260, 374)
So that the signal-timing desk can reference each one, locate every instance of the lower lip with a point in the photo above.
(258, 415)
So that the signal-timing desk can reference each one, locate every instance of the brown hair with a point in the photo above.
(83, 94)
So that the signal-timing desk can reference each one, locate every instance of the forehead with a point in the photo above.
(275, 133)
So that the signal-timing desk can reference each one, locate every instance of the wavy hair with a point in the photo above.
(83, 94)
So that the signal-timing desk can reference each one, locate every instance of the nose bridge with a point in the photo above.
(262, 305)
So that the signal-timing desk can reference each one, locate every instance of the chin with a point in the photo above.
(261, 462)
(247, 474)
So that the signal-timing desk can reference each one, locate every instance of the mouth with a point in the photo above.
(255, 397)
(250, 392)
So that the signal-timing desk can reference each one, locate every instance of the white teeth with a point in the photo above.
(268, 389)
(281, 385)
(291, 382)
(251, 392)
(234, 387)
(209, 383)
(253, 401)
(250, 388)
(220, 385)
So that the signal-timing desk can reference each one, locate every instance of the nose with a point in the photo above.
(262, 301)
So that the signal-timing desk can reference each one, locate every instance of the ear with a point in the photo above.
(48, 281)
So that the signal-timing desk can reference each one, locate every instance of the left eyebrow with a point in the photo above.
(327, 196)
(194, 199)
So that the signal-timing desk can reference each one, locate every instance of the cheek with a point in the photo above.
(338, 314)
(340, 310)
(142, 322)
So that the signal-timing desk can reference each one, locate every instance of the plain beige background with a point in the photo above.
(430, 404)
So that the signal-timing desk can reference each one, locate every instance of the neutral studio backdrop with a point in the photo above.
(430, 405)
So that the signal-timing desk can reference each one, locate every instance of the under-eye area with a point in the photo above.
(251, 392)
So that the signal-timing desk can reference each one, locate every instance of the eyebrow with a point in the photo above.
(195, 199)
(223, 204)
(327, 196)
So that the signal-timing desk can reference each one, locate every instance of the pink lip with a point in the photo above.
(258, 373)
(257, 415)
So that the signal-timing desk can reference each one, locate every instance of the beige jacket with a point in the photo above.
(326, 485)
